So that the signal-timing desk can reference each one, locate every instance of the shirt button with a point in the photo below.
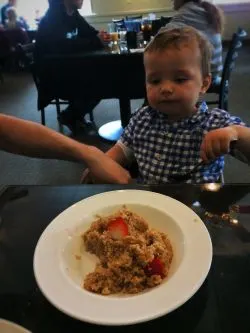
(158, 156)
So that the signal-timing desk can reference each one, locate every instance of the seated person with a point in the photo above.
(207, 18)
(175, 133)
(10, 3)
(34, 140)
(38, 17)
(13, 21)
(64, 30)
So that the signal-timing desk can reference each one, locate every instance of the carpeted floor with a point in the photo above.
(18, 97)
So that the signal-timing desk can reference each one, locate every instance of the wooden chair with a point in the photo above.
(156, 26)
(16, 36)
(8, 42)
(165, 20)
(26, 60)
(221, 87)
(5, 52)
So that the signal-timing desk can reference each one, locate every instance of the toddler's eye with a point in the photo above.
(181, 80)
(154, 81)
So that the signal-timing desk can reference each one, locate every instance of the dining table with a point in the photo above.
(221, 305)
(100, 74)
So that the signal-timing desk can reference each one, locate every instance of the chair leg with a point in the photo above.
(223, 105)
(223, 100)
(58, 110)
(43, 116)
(226, 104)
(222, 178)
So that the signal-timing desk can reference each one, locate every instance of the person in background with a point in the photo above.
(34, 140)
(64, 30)
(175, 134)
(208, 19)
(13, 21)
(38, 16)
(10, 3)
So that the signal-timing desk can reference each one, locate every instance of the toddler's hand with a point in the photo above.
(217, 143)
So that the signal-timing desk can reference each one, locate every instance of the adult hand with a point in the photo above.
(105, 170)
(104, 36)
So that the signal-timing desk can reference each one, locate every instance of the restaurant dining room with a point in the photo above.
(124, 166)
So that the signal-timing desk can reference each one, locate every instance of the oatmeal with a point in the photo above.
(132, 257)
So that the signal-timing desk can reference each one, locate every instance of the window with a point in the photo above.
(37, 8)
(86, 8)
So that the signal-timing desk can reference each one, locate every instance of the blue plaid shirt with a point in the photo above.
(163, 149)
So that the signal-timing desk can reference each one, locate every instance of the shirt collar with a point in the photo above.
(202, 110)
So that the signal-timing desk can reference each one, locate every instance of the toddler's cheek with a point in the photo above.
(152, 97)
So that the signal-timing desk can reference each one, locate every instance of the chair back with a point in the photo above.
(26, 54)
(232, 54)
(156, 26)
(5, 47)
(165, 20)
(16, 36)
(26, 59)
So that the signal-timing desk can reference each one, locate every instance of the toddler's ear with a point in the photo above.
(206, 83)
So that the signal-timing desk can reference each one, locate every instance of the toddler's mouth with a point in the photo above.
(167, 101)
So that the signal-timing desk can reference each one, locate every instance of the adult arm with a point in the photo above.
(34, 140)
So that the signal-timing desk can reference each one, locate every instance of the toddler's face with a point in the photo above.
(174, 80)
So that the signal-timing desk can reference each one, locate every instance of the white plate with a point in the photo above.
(60, 275)
(9, 327)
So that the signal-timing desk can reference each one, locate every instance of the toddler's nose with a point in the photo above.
(166, 88)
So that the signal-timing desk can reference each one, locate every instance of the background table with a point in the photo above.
(221, 305)
(99, 74)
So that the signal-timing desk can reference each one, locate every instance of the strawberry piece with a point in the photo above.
(118, 228)
(155, 267)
